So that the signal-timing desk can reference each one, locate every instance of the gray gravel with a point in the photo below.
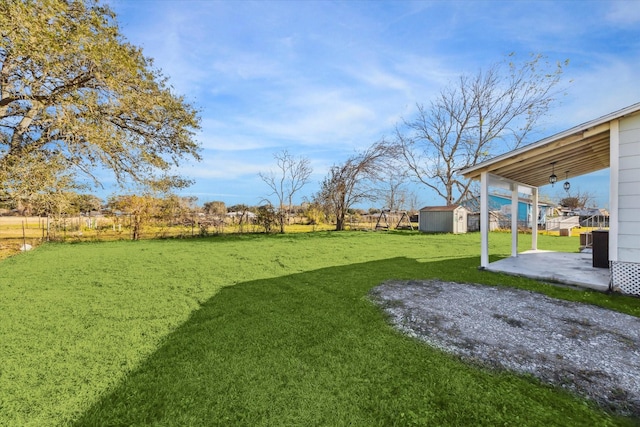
(592, 351)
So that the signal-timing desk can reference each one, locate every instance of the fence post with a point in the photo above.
(24, 237)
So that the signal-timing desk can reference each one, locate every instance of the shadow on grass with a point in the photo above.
(311, 349)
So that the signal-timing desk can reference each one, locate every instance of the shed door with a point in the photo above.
(459, 221)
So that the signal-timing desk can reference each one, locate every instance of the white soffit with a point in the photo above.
(577, 151)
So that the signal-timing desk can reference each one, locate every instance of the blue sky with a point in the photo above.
(324, 79)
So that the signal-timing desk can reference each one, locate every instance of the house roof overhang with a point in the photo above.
(577, 151)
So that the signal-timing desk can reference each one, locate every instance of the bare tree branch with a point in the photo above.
(293, 174)
(352, 181)
(477, 117)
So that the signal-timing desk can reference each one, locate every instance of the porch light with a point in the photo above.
(567, 184)
(553, 178)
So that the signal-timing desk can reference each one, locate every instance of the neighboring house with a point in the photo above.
(443, 219)
(593, 217)
(611, 141)
(500, 213)
(241, 216)
(498, 202)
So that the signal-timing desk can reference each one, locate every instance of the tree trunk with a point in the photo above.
(136, 227)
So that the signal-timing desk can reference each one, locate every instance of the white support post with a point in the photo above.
(534, 217)
(514, 219)
(614, 178)
(484, 220)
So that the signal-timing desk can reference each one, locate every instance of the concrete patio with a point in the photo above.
(573, 269)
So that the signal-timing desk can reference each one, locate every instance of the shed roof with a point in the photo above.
(580, 150)
(448, 208)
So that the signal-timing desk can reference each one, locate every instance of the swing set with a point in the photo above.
(386, 215)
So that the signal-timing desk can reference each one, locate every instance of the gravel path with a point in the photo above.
(593, 351)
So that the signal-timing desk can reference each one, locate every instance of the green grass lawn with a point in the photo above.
(255, 330)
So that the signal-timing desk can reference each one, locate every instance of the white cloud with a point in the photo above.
(313, 116)
(623, 12)
(217, 165)
(247, 66)
(230, 142)
(599, 90)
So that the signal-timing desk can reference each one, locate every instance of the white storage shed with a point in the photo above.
(443, 219)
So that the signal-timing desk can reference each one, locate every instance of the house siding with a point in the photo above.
(629, 190)
(503, 204)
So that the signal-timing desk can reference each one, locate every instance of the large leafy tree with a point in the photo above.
(216, 208)
(140, 208)
(77, 97)
(474, 118)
